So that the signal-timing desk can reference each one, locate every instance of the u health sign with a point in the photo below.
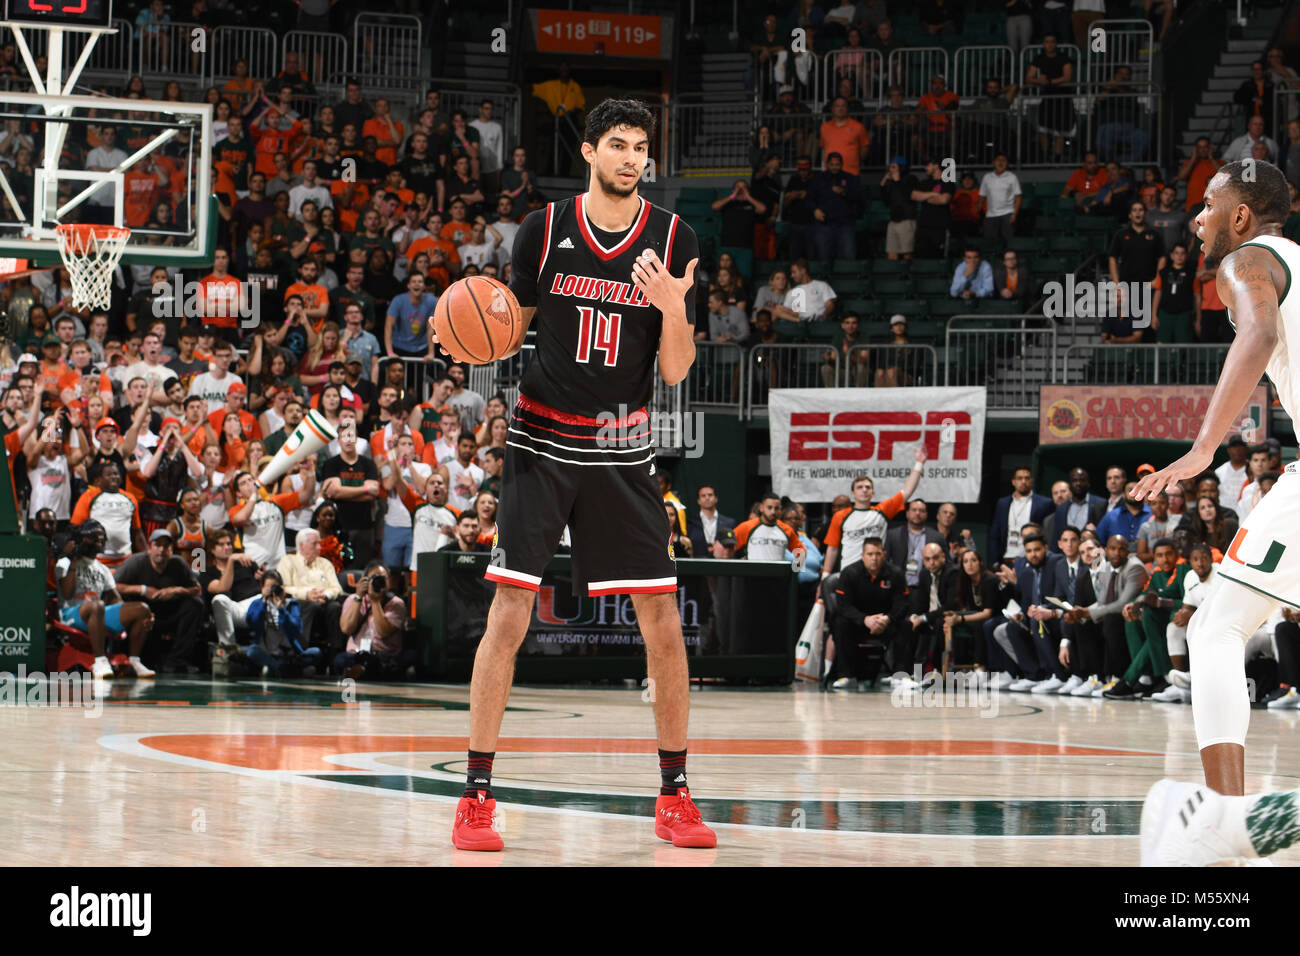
(821, 439)
(1072, 413)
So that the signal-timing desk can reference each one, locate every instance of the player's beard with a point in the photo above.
(1218, 251)
(611, 188)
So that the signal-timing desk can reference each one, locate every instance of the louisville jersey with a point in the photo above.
(852, 526)
(597, 336)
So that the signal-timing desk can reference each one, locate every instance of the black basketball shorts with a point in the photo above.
(597, 477)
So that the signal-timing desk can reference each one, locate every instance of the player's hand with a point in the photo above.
(1064, 655)
(660, 288)
(1166, 479)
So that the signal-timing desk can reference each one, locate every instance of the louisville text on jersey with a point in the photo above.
(606, 290)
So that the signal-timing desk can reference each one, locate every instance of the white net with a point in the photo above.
(90, 254)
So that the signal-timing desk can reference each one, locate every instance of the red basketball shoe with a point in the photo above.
(473, 827)
(678, 820)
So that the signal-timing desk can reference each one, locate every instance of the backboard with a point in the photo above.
(70, 157)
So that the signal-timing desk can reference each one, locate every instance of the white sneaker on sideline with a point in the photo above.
(1181, 679)
(1071, 685)
(1001, 681)
(1050, 686)
(139, 668)
(905, 684)
(101, 669)
(842, 683)
(1087, 688)
(1173, 694)
(1290, 701)
(1180, 827)
(1105, 687)
(1022, 686)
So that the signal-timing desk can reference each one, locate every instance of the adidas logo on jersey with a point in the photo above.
(566, 243)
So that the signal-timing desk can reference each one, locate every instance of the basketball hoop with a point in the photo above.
(91, 252)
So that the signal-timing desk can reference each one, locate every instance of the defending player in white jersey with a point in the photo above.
(1246, 204)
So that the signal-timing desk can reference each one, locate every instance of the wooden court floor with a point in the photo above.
(200, 772)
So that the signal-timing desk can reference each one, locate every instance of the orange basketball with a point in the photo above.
(478, 320)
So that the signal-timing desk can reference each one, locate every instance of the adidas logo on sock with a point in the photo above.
(479, 780)
(681, 778)
(566, 243)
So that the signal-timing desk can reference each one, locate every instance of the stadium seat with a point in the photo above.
(901, 286)
(866, 309)
(932, 286)
(908, 307)
(1025, 243)
(926, 331)
(928, 267)
(822, 331)
(890, 267)
(848, 267)
(948, 307)
(820, 268)
(1070, 245)
(791, 331)
(851, 287)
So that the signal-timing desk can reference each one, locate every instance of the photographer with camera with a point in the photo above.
(309, 578)
(372, 620)
(89, 600)
(276, 621)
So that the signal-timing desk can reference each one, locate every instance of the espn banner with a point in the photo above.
(1069, 413)
(823, 438)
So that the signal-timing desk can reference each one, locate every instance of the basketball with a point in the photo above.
(478, 320)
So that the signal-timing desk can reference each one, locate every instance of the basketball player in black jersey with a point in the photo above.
(609, 280)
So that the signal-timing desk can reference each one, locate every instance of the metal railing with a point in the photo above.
(912, 68)
(256, 46)
(320, 55)
(1009, 355)
(710, 132)
(167, 51)
(386, 44)
(891, 366)
(1071, 53)
(421, 374)
(787, 365)
(973, 65)
(1129, 364)
(715, 381)
(111, 57)
(467, 95)
(1126, 43)
(862, 69)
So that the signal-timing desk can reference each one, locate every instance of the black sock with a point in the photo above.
(672, 771)
(479, 775)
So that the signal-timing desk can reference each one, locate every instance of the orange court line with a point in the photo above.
(308, 752)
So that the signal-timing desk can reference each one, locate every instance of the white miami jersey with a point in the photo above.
(1194, 589)
(1285, 360)
(426, 528)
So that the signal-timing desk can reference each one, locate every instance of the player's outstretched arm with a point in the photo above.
(1248, 284)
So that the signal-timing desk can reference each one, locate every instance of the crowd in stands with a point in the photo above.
(142, 428)
(1076, 593)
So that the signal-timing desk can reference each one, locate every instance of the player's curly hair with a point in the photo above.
(1265, 191)
(611, 114)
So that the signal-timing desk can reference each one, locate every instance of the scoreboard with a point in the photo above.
(602, 34)
(59, 13)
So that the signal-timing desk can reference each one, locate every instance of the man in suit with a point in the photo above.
(1031, 638)
(872, 611)
(1083, 509)
(1121, 578)
(932, 592)
(905, 545)
(1011, 513)
(1081, 642)
(1060, 495)
(708, 530)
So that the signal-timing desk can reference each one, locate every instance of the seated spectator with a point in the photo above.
(466, 537)
(230, 583)
(1012, 283)
(904, 545)
(1120, 579)
(1086, 181)
(890, 370)
(1032, 637)
(986, 127)
(168, 588)
(1125, 519)
(1195, 585)
(847, 337)
(275, 618)
(973, 278)
(1197, 170)
(1113, 198)
(935, 580)
(1240, 148)
(974, 601)
(1119, 117)
(1150, 189)
(934, 137)
(309, 578)
(811, 300)
(772, 294)
(835, 196)
(791, 124)
(90, 601)
(1161, 524)
(1146, 622)
(372, 620)
(712, 533)
(872, 611)
(1210, 524)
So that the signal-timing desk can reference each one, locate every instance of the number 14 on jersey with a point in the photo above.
(606, 334)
